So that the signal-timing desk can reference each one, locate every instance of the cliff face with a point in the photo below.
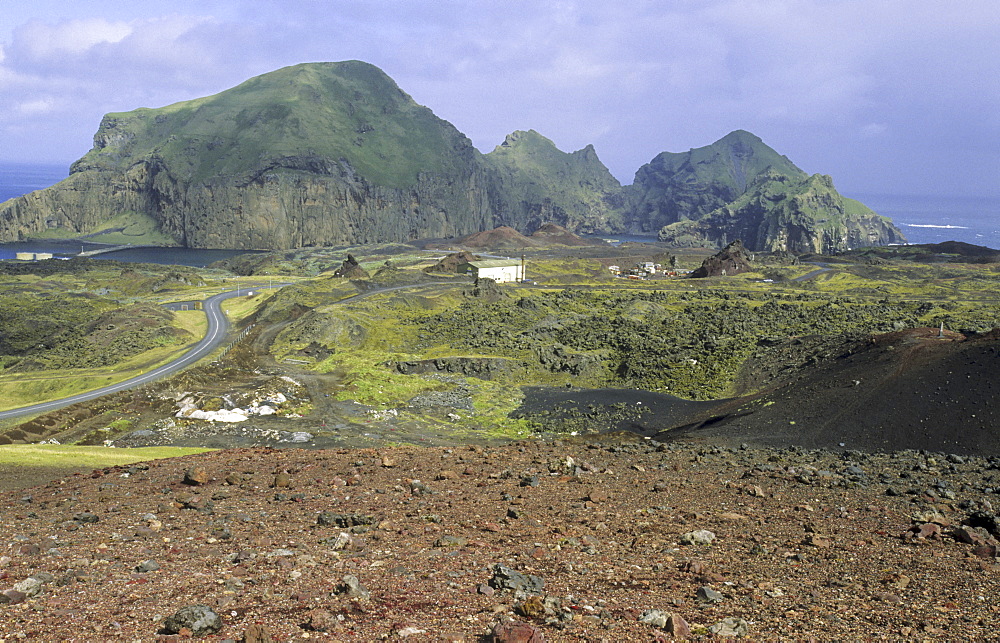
(686, 186)
(537, 184)
(781, 213)
(318, 154)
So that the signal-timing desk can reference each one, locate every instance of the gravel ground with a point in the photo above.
(607, 539)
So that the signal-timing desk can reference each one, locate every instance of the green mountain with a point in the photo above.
(538, 184)
(314, 154)
(323, 154)
(680, 186)
(796, 214)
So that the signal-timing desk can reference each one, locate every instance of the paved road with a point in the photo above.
(823, 267)
(218, 326)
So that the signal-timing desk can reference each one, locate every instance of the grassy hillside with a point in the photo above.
(304, 117)
(734, 161)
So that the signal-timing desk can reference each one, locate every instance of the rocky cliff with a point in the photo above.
(315, 154)
(538, 184)
(782, 213)
(683, 186)
(325, 154)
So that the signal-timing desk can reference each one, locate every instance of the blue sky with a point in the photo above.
(887, 96)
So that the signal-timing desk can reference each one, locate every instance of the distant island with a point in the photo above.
(326, 154)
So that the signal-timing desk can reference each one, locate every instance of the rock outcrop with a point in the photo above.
(351, 269)
(732, 260)
(539, 184)
(781, 213)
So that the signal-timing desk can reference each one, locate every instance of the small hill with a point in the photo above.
(904, 390)
(733, 260)
(450, 263)
(946, 251)
(502, 238)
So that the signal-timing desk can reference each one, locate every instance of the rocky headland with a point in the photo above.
(331, 154)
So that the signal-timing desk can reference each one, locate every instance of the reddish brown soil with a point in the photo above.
(804, 548)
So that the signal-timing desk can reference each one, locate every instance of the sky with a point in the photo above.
(886, 96)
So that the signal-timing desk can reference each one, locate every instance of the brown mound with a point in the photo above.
(502, 238)
(351, 269)
(732, 260)
(553, 234)
(450, 263)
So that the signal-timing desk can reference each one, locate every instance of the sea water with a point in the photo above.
(923, 219)
(933, 219)
(20, 178)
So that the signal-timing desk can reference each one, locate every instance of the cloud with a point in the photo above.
(633, 77)
(37, 106)
(38, 41)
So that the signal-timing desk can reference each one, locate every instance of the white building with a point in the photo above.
(499, 270)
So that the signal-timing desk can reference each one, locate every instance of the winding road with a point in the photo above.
(218, 327)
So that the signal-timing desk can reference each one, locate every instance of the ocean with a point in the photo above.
(923, 219)
(21, 178)
(933, 219)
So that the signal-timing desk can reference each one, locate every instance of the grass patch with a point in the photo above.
(368, 382)
(51, 455)
(132, 228)
(23, 389)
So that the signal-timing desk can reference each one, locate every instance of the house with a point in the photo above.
(499, 270)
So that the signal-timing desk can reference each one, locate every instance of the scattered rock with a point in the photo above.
(516, 632)
(451, 541)
(699, 537)
(196, 476)
(656, 618)
(321, 620)
(678, 627)
(351, 587)
(257, 634)
(344, 521)
(708, 595)
(730, 628)
(506, 578)
(12, 597)
(199, 619)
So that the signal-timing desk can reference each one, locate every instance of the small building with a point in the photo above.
(499, 270)
(32, 256)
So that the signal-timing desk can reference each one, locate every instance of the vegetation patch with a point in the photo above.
(79, 457)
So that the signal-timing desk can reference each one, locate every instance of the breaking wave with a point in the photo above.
(930, 225)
